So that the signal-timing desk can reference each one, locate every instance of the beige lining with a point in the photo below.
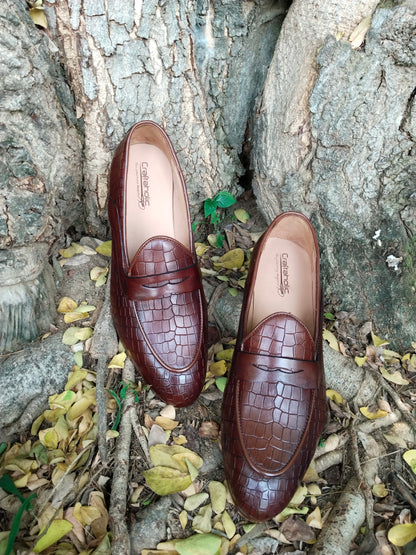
(155, 202)
(286, 275)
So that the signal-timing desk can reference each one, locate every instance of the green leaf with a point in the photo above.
(224, 199)
(210, 207)
(220, 383)
(57, 530)
(74, 334)
(233, 291)
(117, 400)
(203, 544)
(219, 242)
(329, 316)
(218, 495)
(3, 447)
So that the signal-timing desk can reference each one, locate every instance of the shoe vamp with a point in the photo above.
(172, 326)
(273, 419)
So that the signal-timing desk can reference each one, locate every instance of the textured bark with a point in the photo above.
(129, 61)
(40, 173)
(335, 139)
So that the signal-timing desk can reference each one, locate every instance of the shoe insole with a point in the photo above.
(150, 198)
(285, 282)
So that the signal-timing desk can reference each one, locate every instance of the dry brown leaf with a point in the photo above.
(209, 429)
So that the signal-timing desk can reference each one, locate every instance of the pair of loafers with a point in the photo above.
(274, 405)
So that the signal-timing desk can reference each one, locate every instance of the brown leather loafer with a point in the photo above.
(274, 404)
(157, 299)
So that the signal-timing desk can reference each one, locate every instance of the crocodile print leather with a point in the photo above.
(158, 303)
(273, 411)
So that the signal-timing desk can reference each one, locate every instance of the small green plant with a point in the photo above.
(119, 398)
(223, 199)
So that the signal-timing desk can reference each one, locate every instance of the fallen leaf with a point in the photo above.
(410, 458)
(166, 423)
(359, 361)
(229, 526)
(201, 544)
(194, 501)
(314, 519)
(372, 415)
(201, 248)
(202, 521)
(357, 37)
(49, 438)
(379, 490)
(193, 471)
(168, 412)
(74, 334)
(180, 440)
(183, 519)
(231, 259)
(57, 530)
(242, 215)
(377, 341)
(165, 480)
(75, 377)
(332, 340)
(71, 250)
(225, 354)
(66, 304)
(401, 534)
(394, 377)
(218, 496)
(117, 361)
(221, 383)
(104, 248)
(295, 529)
(218, 368)
(38, 17)
(334, 396)
(174, 456)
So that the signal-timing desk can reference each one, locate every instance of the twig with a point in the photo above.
(104, 344)
(118, 500)
(396, 398)
(140, 436)
(362, 481)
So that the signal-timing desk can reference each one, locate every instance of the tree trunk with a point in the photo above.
(335, 138)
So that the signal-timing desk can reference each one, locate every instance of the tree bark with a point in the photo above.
(335, 139)
(165, 61)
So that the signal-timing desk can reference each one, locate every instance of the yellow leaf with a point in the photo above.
(372, 415)
(71, 317)
(169, 412)
(401, 534)
(225, 354)
(97, 272)
(228, 524)
(395, 377)
(174, 456)
(180, 440)
(359, 361)
(38, 17)
(74, 334)
(242, 215)
(314, 489)
(82, 405)
(117, 361)
(164, 480)
(332, 340)
(310, 475)
(218, 495)
(377, 341)
(166, 423)
(202, 521)
(218, 368)
(57, 530)
(314, 519)
(201, 249)
(231, 259)
(36, 425)
(75, 377)
(72, 250)
(379, 490)
(49, 438)
(104, 248)
(410, 458)
(212, 240)
(183, 519)
(334, 396)
(86, 514)
(62, 400)
(299, 496)
(66, 304)
(199, 544)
